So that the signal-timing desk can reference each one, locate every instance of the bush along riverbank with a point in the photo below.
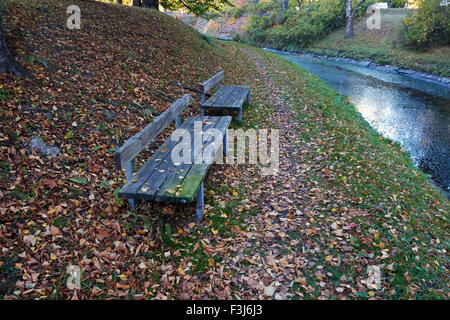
(319, 28)
(386, 46)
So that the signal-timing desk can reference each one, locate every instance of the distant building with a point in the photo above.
(380, 5)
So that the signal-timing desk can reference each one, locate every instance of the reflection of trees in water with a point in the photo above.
(427, 119)
(399, 109)
(421, 130)
(433, 155)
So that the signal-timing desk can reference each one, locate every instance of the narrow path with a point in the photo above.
(274, 261)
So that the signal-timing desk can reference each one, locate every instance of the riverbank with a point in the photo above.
(380, 48)
(443, 81)
(395, 105)
(383, 47)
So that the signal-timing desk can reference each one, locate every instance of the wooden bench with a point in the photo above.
(160, 179)
(228, 98)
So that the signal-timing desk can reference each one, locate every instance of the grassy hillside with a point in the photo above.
(92, 89)
(384, 46)
(344, 199)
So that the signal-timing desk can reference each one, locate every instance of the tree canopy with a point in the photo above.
(197, 7)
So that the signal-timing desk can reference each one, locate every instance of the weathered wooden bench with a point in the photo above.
(160, 179)
(226, 98)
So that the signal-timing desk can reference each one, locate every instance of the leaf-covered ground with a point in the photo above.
(344, 199)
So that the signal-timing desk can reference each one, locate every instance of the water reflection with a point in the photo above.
(413, 112)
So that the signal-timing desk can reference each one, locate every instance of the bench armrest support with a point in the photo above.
(211, 82)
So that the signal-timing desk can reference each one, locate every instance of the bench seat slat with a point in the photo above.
(197, 173)
(240, 95)
(168, 191)
(163, 169)
(235, 100)
(158, 177)
(220, 94)
(128, 191)
(231, 97)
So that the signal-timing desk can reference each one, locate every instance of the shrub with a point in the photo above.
(427, 26)
(398, 3)
(264, 7)
(233, 11)
(296, 29)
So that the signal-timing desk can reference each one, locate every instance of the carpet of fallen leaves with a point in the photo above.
(344, 199)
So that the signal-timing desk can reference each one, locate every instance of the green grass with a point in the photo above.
(384, 46)
(376, 176)
(4, 93)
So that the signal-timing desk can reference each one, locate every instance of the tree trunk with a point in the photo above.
(284, 5)
(154, 4)
(119, 2)
(349, 19)
(8, 63)
(349, 26)
(349, 16)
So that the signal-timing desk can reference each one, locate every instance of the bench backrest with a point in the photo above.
(211, 82)
(133, 146)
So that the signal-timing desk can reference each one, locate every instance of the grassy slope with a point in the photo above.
(92, 88)
(383, 46)
(101, 69)
(373, 182)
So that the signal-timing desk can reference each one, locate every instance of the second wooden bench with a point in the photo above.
(226, 98)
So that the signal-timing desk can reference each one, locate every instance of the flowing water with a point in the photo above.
(413, 112)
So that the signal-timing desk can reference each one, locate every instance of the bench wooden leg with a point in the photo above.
(129, 175)
(131, 204)
(248, 98)
(225, 143)
(240, 114)
(203, 112)
(200, 203)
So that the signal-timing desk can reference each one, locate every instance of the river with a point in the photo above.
(412, 112)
